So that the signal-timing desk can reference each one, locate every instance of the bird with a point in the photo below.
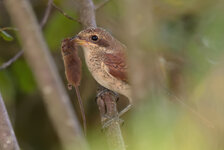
(105, 57)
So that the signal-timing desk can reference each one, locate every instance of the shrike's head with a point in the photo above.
(98, 39)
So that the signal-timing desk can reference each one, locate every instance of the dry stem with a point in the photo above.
(7, 137)
(12, 60)
(63, 13)
(101, 4)
(46, 13)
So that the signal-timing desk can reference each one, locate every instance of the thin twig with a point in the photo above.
(7, 136)
(20, 53)
(63, 13)
(46, 13)
(101, 4)
(7, 28)
(12, 60)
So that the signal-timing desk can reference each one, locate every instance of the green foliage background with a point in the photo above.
(189, 34)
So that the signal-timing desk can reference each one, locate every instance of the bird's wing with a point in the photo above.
(116, 66)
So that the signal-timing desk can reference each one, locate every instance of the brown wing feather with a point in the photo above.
(116, 65)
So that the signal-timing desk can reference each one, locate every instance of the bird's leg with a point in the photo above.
(102, 108)
(106, 90)
(105, 110)
(101, 92)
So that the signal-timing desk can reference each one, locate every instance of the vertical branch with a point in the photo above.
(7, 137)
(113, 131)
(107, 101)
(86, 10)
(37, 54)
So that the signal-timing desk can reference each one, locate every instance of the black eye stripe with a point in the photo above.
(103, 43)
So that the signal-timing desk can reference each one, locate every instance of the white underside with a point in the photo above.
(105, 79)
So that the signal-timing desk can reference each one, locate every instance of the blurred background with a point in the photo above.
(175, 50)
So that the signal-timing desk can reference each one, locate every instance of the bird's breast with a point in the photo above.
(94, 62)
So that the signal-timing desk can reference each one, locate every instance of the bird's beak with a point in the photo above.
(77, 40)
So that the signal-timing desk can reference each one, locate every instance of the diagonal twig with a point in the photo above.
(12, 60)
(46, 13)
(7, 28)
(63, 13)
(101, 4)
(7, 136)
(42, 23)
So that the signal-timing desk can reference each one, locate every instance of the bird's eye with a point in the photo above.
(94, 38)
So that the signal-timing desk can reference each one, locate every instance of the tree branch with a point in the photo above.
(63, 13)
(107, 100)
(101, 4)
(12, 60)
(37, 54)
(86, 10)
(8, 139)
(46, 13)
(42, 24)
(113, 131)
(7, 28)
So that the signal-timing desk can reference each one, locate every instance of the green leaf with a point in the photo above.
(6, 36)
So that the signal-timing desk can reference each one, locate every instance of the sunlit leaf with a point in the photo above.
(6, 36)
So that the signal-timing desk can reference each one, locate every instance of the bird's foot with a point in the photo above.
(107, 90)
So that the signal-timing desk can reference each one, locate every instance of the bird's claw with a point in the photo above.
(107, 90)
